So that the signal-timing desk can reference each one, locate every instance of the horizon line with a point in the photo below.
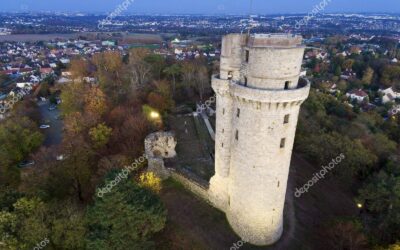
(195, 14)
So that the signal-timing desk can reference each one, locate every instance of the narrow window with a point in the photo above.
(287, 84)
(247, 55)
(238, 113)
(283, 141)
(223, 111)
(222, 145)
(286, 119)
(245, 81)
(223, 130)
(278, 185)
(230, 75)
(237, 135)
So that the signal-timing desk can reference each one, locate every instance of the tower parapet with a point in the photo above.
(259, 93)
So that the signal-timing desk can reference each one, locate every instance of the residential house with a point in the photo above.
(44, 72)
(348, 74)
(389, 95)
(357, 94)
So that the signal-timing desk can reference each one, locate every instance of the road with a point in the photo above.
(54, 133)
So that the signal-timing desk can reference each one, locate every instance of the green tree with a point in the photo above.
(368, 76)
(19, 136)
(24, 227)
(348, 64)
(125, 218)
(381, 145)
(100, 135)
(338, 70)
(381, 197)
(67, 226)
(157, 63)
(173, 71)
(72, 98)
(390, 75)
(346, 234)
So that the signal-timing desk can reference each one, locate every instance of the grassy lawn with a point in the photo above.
(194, 147)
(194, 224)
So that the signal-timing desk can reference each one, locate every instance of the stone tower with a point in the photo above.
(259, 94)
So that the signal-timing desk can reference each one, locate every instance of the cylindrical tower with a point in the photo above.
(231, 63)
(265, 102)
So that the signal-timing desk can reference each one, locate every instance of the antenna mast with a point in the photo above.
(250, 18)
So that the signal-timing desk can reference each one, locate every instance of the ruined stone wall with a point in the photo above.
(158, 146)
(191, 185)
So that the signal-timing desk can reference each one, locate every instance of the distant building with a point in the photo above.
(108, 43)
(389, 95)
(44, 72)
(178, 51)
(23, 84)
(348, 75)
(64, 60)
(66, 74)
(357, 94)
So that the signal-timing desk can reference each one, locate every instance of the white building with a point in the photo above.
(23, 84)
(389, 95)
(357, 94)
(258, 102)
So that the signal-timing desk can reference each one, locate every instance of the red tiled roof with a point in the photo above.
(358, 92)
(46, 70)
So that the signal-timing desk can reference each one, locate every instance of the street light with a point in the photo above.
(359, 205)
(154, 115)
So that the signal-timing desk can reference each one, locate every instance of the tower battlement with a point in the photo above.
(259, 93)
(274, 40)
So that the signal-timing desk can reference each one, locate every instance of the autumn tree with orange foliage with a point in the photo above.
(161, 98)
(95, 104)
(110, 74)
(139, 68)
(79, 68)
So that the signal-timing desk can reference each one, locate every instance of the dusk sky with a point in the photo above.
(202, 6)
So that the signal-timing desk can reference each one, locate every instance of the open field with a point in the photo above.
(132, 37)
